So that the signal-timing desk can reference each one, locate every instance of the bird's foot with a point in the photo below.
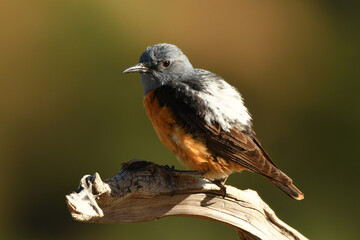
(221, 185)
(187, 172)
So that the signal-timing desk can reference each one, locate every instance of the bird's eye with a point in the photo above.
(166, 63)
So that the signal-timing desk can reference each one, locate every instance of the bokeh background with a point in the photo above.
(66, 110)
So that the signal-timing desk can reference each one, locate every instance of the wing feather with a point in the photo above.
(241, 147)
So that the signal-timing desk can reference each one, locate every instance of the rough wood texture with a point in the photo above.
(143, 191)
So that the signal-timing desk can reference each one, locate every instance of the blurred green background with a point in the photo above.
(66, 110)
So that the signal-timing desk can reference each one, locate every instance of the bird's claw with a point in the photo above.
(220, 184)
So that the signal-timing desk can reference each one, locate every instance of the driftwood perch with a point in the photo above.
(143, 191)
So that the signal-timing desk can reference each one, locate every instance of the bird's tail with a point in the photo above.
(289, 189)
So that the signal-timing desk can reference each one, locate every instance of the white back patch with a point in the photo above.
(225, 106)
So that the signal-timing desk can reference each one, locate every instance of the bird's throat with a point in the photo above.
(149, 82)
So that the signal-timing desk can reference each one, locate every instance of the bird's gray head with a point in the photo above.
(161, 64)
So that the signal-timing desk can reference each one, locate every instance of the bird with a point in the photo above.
(202, 119)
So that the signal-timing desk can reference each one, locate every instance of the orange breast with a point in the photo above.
(191, 152)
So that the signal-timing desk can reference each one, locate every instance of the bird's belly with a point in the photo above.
(191, 152)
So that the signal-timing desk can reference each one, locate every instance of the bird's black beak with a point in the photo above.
(138, 68)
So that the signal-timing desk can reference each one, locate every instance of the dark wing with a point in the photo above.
(235, 145)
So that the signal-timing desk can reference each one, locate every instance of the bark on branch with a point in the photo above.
(143, 191)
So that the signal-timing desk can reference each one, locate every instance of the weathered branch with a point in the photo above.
(143, 191)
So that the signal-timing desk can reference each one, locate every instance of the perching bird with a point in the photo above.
(202, 119)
